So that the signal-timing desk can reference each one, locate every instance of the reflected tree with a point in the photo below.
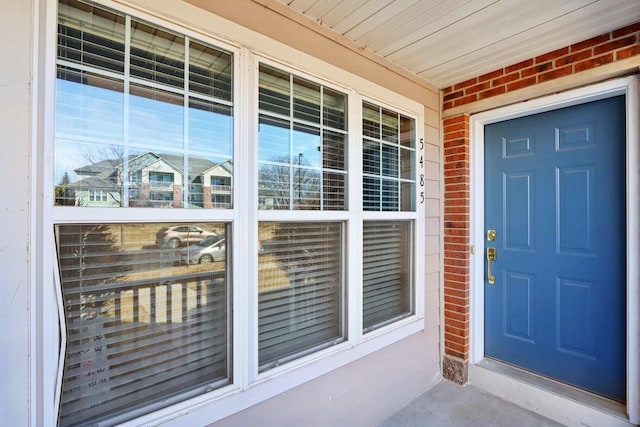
(65, 195)
(282, 184)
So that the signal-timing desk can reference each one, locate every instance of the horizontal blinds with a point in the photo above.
(388, 160)
(387, 278)
(141, 329)
(300, 290)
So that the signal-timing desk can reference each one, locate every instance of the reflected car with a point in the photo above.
(209, 249)
(180, 235)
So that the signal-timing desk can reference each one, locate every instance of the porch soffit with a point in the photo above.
(449, 41)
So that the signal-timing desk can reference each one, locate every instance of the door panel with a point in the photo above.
(555, 194)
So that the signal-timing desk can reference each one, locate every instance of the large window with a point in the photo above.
(143, 118)
(302, 166)
(207, 247)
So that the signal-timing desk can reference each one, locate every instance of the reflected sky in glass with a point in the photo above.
(90, 124)
(156, 118)
(90, 111)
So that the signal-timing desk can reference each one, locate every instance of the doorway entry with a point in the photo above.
(555, 239)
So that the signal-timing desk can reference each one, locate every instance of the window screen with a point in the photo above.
(300, 304)
(147, 321)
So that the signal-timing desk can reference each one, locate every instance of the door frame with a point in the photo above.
(621, 86)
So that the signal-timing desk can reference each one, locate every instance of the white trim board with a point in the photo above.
(624, 86)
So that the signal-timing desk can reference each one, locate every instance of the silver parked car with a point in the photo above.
(209, 249)
(180, 235)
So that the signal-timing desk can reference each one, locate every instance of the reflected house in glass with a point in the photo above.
(96, 185)
(154, 180)
(217, 194)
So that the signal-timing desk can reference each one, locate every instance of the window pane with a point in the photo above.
(407, 196)
(274, 188)
(371, 194)
(210, 127)
(390, 126)
(300, 302)
(389, 161)
(370, 120)
(157, 55)
(89, 106)
(274, 91)
(274, 140)
(156, 118)
(306, 100)
(155, 180)
(390, 196)
(387, 272)
(306, 191)
(210, 71)
(407, 164)
(144, 330)
(306, 146)
(210, 183)
(371, 157)
(407, 132)
(333, 152)
(84, 168)
(91, 36)
(335, 109)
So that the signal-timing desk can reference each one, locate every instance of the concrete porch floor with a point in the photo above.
(451, 405)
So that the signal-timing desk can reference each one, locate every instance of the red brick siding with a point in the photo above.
(606, 48)
(456, 236)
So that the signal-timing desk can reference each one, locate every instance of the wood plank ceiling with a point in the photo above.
(449, 41)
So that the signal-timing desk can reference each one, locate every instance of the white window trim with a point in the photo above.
(248, 387)
(624, 86)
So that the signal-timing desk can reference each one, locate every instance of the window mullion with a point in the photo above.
(126, 110)
(185, 127)
(354, 225)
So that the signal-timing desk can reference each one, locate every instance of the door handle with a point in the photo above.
(491, 256)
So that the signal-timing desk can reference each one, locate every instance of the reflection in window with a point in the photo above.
(167, 129)
(147, 321)
(302, 144)
(388, 160)
(300, 290)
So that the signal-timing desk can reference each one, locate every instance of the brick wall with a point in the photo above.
(456, 235)
(606, 48)
(579, 57)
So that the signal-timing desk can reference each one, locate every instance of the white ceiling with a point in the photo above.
(449, 41)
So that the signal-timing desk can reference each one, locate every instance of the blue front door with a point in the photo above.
(555, 197)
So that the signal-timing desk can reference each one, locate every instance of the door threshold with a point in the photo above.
(557, 401)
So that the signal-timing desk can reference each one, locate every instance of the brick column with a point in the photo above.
(456, 248)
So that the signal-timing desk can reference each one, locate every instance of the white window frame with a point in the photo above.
(248, 386)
